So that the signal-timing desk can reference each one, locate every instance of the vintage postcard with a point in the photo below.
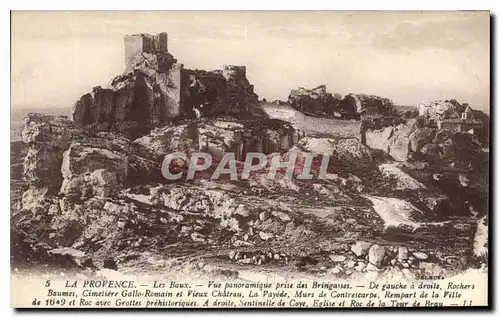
(249, 159)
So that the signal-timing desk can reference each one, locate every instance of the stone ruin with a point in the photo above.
(156, 89)
(318, 101)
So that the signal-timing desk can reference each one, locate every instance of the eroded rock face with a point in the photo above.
(46, 138)
(62, 158)
(135, 102)
(266, 136)
(223, 92)
(406, 142)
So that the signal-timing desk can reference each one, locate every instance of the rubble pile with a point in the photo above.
(319, 102)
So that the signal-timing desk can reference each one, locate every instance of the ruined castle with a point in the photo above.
(155, 89)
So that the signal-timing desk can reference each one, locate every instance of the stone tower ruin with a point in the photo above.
(155, 89)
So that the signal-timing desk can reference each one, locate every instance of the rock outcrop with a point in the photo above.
(155, 89)
(318, 101)
(62, 158)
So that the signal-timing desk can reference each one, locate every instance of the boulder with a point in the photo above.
(360, 248)
(376, 255)
(420, 255)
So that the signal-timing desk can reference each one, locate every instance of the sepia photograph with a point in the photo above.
(249, 159)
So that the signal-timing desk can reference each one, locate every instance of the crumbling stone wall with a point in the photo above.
(225, 91)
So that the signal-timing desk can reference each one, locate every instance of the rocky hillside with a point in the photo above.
(99, 199)
(89, 193)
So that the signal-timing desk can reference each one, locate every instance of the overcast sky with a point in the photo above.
(410, 57)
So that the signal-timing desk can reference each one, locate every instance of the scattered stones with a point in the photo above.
(360, 248)
(337, 258)
(376, 255)
(231, 254)
(394, 261)
(336, 270)
(351, 264)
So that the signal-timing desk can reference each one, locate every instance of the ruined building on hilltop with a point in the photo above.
(453, 116)
(155, 88)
